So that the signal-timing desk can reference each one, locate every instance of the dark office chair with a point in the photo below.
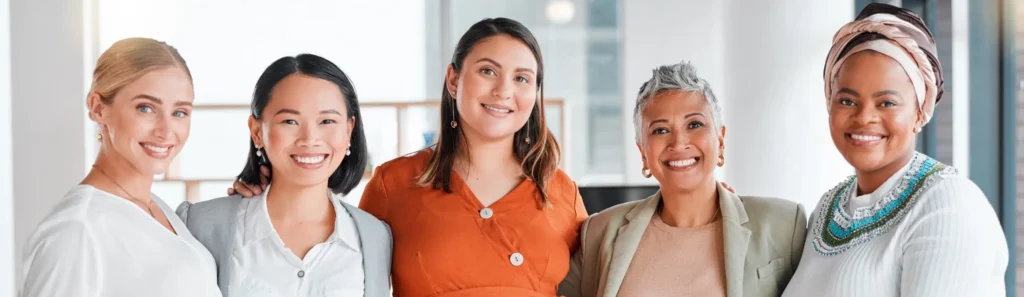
(600, 198)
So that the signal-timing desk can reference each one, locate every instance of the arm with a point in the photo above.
(63, 261)
(955, 246)
(375, 196)
(799, 234)
(571, 285)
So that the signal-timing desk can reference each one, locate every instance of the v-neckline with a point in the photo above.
(471, 196)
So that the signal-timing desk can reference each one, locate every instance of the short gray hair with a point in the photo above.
(681, 76)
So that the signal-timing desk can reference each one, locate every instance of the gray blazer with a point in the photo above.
(213, 223)
(764, 239)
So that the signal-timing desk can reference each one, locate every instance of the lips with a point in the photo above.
(156, 150)
(310, 161)
(863, 138)
(681, 163)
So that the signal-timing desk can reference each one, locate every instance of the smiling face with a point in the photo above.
(680, 144)
(147, 122)
(305, 130)
(874, 113)
(496, 89)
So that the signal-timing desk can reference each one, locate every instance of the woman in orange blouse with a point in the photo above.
(485, 211)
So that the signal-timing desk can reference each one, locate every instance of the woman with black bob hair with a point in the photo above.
(298, 236)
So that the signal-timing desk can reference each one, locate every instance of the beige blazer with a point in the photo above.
(764, 238)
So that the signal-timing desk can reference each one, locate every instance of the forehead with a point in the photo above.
(872, 71)
(507, 50)
(170, 84)
(675, 103)
(303, 92)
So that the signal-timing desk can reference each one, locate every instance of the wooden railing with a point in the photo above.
(173, 173)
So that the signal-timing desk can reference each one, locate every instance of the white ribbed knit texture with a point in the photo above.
(949, 244)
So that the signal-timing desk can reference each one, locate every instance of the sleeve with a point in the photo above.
(570, 286)
(182, 211)
(375, 196)
(799, 235)
(62, 260)
(955, 245)
(581, 215)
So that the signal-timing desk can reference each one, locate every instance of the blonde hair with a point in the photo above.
(129, 59)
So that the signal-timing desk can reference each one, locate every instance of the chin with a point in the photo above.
(865, 161)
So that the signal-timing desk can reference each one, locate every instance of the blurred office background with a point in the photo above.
(763, 58)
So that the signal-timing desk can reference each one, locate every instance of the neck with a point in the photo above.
(300, 203)
(690, 208)
(487, 157)
(113, 174)
(869, 181)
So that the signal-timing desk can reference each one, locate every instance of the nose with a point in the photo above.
(161, 127)
(503, 89)
(679, 142)
(865, 115)
(309, 136)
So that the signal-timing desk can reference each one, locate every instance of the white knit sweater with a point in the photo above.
(946, 242)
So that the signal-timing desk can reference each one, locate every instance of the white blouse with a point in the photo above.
(943, 240)
(263, 266)
(94, 243)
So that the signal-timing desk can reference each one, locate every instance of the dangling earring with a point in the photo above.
(646, 172)
(454, 123)
(527, 131)
(348, 151)
(259, 153)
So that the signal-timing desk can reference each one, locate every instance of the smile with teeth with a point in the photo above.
(681, 163)
(307, 159)
(495, 109)
(156, 149)
(861, 137)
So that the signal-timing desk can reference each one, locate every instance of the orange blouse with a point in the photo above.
(450, 245)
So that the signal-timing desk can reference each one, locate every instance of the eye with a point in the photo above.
(888, 104)
(847, 102)
(328, 121)
(659, 131)
(695, 125)
(144, 108)
(290, 122)
(180, 114)
(487, 71)
(522, 79)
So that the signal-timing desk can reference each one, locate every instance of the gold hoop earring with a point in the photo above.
(646, 172)
(721, 160)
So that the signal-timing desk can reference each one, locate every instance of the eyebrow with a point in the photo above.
(849, 91)
(291, 111)
(692, 114)
(330, 111)
(886, 92)
(158, 101)
(489, 60)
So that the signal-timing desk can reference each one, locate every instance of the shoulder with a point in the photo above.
(614, 216)
(201, 212)
(367, 222)
(768, 208)
(83, 204)
(561, 189)
(408, 166)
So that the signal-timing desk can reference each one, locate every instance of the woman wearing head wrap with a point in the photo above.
(905, 224)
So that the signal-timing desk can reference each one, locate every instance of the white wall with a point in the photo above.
(763, 60)
(48, 98)
(7, 258)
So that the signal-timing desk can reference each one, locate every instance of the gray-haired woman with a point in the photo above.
(693, 237)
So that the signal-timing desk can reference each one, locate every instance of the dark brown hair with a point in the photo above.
(539, 158)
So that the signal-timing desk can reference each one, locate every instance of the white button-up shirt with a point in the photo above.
(263, 266)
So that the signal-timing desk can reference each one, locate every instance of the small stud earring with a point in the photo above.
(917, 129)
(99, 137)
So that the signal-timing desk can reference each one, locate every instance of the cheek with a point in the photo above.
(277, 138)
(473, 86)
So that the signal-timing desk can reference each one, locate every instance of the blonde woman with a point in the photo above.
(110, 236)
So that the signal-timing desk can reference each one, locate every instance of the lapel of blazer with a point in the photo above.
(373, 265)
(626, 241)
(736, 237)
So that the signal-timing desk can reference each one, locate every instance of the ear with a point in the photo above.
(919, 123)
(351, 125)
(721, 140)
(256, 131)
(97, 109)
(643, 156)
(451, 81)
